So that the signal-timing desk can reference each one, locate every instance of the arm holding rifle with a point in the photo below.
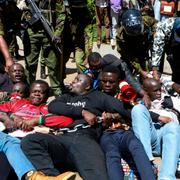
(4, 47)
(38, 17)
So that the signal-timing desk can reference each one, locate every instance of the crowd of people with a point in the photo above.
(118, 109)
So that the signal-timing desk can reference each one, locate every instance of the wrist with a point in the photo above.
(8, 59)
(83, 112)
(41, 119)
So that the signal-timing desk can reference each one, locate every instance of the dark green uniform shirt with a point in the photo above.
(136, 48)
(10, 18)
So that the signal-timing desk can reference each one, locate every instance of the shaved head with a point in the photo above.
(153, 88)
(149, 82)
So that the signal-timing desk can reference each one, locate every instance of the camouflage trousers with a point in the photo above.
(39, 45)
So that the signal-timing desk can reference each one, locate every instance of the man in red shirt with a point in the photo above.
(27, 113)
(24, 115)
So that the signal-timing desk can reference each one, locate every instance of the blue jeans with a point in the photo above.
(119, 144)
(156, 9)
(10, 146)
(157, 15)
(163, 140)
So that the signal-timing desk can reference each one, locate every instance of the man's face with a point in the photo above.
(79, 84)
(155, 91)
(16, 73)
(38, 94)
(96, 65)
(19, 89)
(109, 82)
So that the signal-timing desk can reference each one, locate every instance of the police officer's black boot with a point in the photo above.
(43, 72)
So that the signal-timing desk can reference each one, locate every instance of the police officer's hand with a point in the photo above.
(9, 62)
(156, 75)
(89, 117)
(136, 66)
(56, 40)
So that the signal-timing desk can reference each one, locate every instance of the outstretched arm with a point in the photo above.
(5, 51)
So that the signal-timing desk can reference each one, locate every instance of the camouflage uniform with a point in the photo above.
(89, 30)
(40, 43)
(135, 49)
(75, 32)
(164, 42)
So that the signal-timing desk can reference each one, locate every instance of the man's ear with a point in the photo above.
(143, 87)
(88, 87)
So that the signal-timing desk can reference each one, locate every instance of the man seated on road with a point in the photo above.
(118, 140)
(161, 137)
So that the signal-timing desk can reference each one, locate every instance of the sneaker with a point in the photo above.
(98, 43)
(178, 174)
(37, 175)
(113, 43)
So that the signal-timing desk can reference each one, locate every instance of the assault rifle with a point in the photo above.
(38, 17)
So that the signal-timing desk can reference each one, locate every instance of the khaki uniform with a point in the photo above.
(75, 29)
(40, 44)
(135, 49)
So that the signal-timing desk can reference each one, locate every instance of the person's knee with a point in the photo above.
(27, 141)
(105, 139)
(7, 141)
(134, 144)
(140, 113)
(173, 128)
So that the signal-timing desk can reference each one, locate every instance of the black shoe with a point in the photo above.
(43, 72)
(155, 169)
(178, 169)
(177, 174)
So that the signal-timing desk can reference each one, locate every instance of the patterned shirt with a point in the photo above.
(161, 38)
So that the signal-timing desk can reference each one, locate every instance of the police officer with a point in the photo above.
(167, 38)
(40, 44)
(134, 40)
(9, 19)
(73, 31)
